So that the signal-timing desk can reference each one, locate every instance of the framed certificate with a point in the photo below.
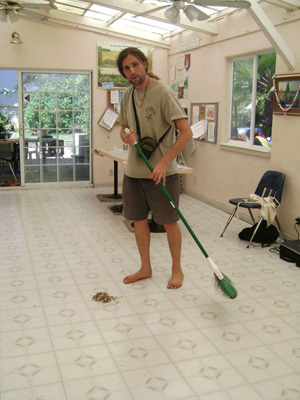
(108, 118)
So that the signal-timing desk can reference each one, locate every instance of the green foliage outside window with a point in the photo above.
(53, 97)
(7, 122)
(244, 90)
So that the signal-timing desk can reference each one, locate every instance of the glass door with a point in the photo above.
(56, 120)
(9, 128)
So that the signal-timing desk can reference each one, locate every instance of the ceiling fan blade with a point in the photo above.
(142, 14)
(202, 16)
(223, 3)
(34, 15)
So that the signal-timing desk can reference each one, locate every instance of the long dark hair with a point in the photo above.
(138, 54)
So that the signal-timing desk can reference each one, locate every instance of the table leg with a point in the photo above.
(115, 195)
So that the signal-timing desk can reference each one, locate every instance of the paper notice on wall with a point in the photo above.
(180, 77)
(199, 129)
(172, 72)
(211, 131)
(195, 114)
(180, 62)
(114, 97)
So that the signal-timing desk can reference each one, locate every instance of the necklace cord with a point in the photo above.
(145, 92)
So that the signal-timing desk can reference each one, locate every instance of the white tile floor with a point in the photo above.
(59, 247)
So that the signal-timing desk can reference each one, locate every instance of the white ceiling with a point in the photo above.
(121, 16)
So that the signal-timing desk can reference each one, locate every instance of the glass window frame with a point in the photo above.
(231, 143)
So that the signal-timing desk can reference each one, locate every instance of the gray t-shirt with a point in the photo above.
(158, 111)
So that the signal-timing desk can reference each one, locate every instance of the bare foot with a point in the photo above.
(176, 280)
(137, 276)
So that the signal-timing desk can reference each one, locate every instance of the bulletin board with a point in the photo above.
(114, 97)
(208, 114)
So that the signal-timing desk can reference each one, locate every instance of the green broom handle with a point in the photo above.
(172, 203)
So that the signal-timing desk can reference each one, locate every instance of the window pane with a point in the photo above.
(9, 116)
(81, 83)
(241, 99)
(8, 88)
(65, 83)
(48, 101)
(30, 82)
(48, 82)
(31, 119)
(264, 100)
(65, 101)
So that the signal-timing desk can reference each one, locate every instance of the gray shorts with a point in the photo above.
(142, 195)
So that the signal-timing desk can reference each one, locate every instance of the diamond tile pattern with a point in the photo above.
(59, 247)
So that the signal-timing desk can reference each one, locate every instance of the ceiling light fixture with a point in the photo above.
(191, 12)
(13, 16)
(173, 15)
(15, 38)
(3, 16)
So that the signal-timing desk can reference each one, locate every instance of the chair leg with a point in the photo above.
(251, 215)
(3, 165)
(12, 171)
(254, 233)
(229, 220)
(280, 229)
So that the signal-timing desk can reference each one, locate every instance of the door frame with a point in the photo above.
(20, 72)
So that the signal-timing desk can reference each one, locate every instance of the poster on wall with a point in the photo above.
(179, 77)
(107, 54)
(204, 121)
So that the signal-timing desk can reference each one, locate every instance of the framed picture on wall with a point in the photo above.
(286, 94)
(107, 54)
(108, 118)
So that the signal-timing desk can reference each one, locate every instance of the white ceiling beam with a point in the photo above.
(173, 33)
(272, 34)
(95, 25)
(295, 3)
(115, 18)
(224, 13)
(135, 7)
(284, 4)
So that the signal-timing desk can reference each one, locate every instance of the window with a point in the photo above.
(56, 115)
(252, 100)
(9, 123)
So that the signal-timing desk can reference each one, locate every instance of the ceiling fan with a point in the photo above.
(193, 13)
(10, 10)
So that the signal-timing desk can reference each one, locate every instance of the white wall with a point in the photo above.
(50, 47)
(219, 174)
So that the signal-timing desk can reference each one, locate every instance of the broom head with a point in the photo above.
(226, 287)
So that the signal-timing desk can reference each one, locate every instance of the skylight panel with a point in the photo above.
(97, 15)
(159, 24)
(144, 24)
(103, 10)
(74, 3)
(69, 9)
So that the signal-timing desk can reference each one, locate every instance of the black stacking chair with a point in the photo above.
(12, 161)
(271, 184)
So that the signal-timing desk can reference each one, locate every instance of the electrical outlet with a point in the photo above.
(195, 181)
(297, 220)
(111, 172)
